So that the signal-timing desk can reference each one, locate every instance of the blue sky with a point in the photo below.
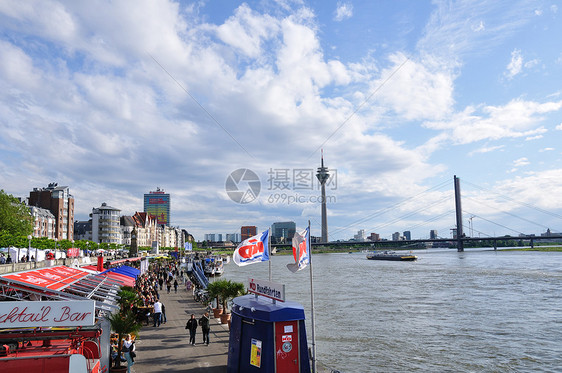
(115, 99)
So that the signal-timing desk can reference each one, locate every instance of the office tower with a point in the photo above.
(248, 231)
(157, 205)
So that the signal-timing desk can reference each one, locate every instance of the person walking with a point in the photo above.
(205, 327)
(192, 327)
(168, 286)
(128, 349)
(160, 282)
(157, 313)
(176, 286)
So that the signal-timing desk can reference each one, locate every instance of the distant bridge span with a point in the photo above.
(402, 243)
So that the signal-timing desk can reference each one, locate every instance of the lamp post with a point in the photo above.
(56, 239)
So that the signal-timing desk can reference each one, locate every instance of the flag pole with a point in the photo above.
(269, 253)
(311, 302)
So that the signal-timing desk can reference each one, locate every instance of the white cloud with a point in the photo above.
(487, 149)
(521, 162)
(479, 27)
(343, 11)
(518, 118)
(558, 127)
(515, 65)
(531, 138)
(246, 30)
(546, 150)
(413, 90)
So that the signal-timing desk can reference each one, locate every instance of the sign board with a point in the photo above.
(73, 252)
(255, 353)
(267, 289)
(46, 314)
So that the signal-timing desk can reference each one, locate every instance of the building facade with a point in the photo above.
(407, 235)
(157, 205)
(44, 222)
(283, 232)
(233, 237)
(248, 231)
(374, 237)
(360, 236)
(106, 227)
(59, 201)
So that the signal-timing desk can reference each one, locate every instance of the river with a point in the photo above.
(475, 311)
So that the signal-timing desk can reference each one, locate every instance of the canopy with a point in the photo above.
(124, 270)
(54, 278)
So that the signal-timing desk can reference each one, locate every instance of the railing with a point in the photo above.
(26, 266)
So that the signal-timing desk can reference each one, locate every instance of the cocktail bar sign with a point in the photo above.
(46, 314)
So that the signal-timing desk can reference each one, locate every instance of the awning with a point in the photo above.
(61, 282)
(54, 278)
(124, 270)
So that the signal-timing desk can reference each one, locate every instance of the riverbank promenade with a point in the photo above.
(167, 349)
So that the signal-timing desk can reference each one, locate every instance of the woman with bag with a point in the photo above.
(129, 350)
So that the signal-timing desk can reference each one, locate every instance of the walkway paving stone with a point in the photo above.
(167, 349)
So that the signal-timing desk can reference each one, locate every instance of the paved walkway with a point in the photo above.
(166, 348)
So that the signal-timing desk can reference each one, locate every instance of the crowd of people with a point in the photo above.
(149, 286)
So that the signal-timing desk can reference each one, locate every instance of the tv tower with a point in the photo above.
(323, 176)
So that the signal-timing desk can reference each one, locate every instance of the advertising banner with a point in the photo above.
(46, 314)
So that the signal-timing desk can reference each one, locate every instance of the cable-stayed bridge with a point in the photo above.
(423, 203)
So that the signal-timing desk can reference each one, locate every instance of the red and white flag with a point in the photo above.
(253, 250)
(301, 251)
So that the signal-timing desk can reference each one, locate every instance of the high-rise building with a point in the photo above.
(233, 237)
(374, 237)
(396, 236)
(407, 235)
(433, 234)
(213, 237)
(248, 231)
(283, 232)
(106, 227)
(360, 236)
(157, 205)
(60, 203)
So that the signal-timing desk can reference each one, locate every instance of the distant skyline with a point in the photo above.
(400, 96)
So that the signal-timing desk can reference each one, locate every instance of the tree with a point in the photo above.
(15, 218)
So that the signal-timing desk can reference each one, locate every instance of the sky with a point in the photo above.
(228, 106)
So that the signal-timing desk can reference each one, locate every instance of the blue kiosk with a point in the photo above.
(267, 337)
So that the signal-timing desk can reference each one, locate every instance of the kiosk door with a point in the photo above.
(287, 347)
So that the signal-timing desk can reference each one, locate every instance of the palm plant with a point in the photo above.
(231, 290)
(123, 322)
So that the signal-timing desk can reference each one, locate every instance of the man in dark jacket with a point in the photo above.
(205, 327)
(192, 327)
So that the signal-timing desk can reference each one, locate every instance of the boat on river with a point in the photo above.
(390, 255)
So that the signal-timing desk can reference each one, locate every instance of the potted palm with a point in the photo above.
(215, 291)
(124, 322)
(230, 290)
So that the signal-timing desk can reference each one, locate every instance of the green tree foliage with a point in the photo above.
(15, 218)
(123, 323)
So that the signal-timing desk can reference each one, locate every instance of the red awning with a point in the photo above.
(129, 281)
(55, 278)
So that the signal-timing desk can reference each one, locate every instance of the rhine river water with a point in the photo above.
(476, 311)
